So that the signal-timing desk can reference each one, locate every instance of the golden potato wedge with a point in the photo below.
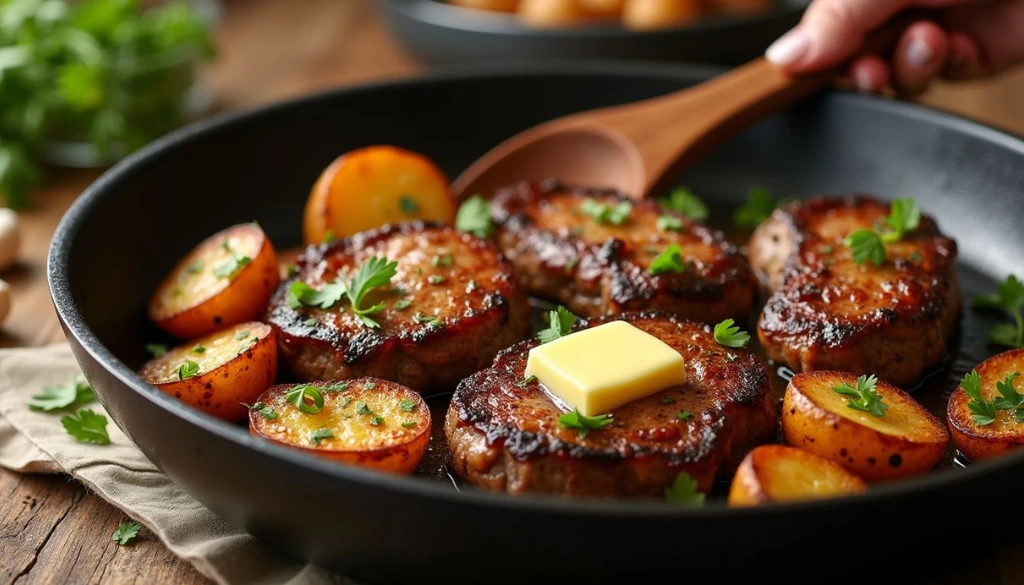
(906, 440)
(603, 8)
(219, 372)
(652, 14)
(227, 279)
(363, 421)
(373, 186)
(552, 13)
(775, 473)
(1004, 434)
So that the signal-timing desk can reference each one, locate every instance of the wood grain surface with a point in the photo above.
(52, 530)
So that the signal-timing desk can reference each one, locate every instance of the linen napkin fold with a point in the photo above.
(35, 442)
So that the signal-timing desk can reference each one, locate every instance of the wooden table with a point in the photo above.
(54, 531)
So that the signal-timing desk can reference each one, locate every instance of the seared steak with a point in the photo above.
(594, 268)
(504, 435)
(451, 306)
(828, 313)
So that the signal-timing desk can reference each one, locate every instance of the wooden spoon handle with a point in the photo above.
(675, 130)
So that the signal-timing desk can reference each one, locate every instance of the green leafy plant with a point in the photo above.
(863, 396)
(757, 208)
(104, 72)
(1009, 298)
(729, 334)
(560, 322)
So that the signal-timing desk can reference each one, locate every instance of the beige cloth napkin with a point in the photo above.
(35, 442)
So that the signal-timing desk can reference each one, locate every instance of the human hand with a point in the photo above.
(968, 39)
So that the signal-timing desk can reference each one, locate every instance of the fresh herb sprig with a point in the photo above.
(729, 334)
(374, 273)
(474, 217)
(233, 265)
(126, 532)
(1009, 298)
(984, 411)
(603, 213)
(86, 426)
(584, 424)
(669, 261)
(76, 392)
(684, 491)
(560, 322)
(756, 209)
(682, 200)
(868, 244)
(863, 396)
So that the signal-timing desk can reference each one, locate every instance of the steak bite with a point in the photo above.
(504, 434)
(452, 304)
(563, 249)
(828, 313)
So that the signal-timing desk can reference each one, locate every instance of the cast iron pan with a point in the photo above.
(128, 228)
(440, 33)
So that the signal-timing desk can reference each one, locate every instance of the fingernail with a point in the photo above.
(788, 48)
(919, 54)
(862, 81)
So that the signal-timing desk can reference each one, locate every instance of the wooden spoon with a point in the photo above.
(635, 148)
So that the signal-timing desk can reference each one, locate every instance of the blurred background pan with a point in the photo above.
(440, 33)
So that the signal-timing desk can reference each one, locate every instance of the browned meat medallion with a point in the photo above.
(565, 249)
(828, 313)
(504, 435)
(452, 304)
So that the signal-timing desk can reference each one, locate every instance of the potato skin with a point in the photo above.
(230, 301)
(814, 426)
(769, 474)
(978, 442)
(390, 447)
(238, 372)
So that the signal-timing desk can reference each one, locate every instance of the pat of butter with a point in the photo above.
(599, 369)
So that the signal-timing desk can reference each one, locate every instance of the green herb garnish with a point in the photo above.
(377, 421)
(1009, 298)
(126, 532)
(575, 420)
(435, 279)
(863, 396)
(362, 408)
(869, 244)
(683, 201)
(474, 216)
(156, 349)
(195, 267)
(199, 349)
(242, 335)
(982, 411)
(668, 223)
(76, 392)
(230, 268)
(408, 205)
(668, 261)
(684, 415)
(188, 370)
(684, 491)
(441, 260)
(374, 273)
(86, 427)
(306, 398)
(427, 319)
(408, 424)
(560, 322)
(402, 304)
(757, 208)
(866, 244)
(407, 404)
(267, 412)
(319, 435)
(727, 333)
(606, 214)
(526, 381)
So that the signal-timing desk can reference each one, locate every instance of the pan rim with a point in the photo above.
(74, 323)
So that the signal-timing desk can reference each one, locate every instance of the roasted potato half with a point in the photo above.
(370, 187)
(817, 418)
(776, 473)
(219, 372)
(363, 421)
(1004, 434)
(225, 280)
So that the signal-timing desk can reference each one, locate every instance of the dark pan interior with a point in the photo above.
(128, 229)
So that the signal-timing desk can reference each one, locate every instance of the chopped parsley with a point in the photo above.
(441, 260)
(727, 333)
(474, 216)
(267, 412)
(374, 273)
(684, 415)
(188, 370)
(75, 392)
(230, 268)
(335, 387)
(436, 279)
(757, 208)
(408, 424)
(319, 435)
(668, 223)
(407, 404)
(377, 421)
(408, 205)
(682, 200)
(195, 267)
(606, 214)
(402, 304)
(1009, 298)
(667, 400)
(560, 322)
(199, 349)
(684, 491)
(156, 349)
(86, 426)
(306, 398)
(863, 396)
(311, 322)
(362, 408)
(575, 420)
(427, 319)
(526, 381)
(670, 260)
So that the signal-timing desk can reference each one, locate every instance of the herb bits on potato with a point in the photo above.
(219, 372)
(363, 421)
(227, 279)
(871, 428)
(986, 412)
(774, 473)
(374, 186)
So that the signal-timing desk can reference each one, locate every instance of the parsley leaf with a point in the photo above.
(1009, 298)
(441, 260)
(757, 208)
(408, 424)
(435, 279)
(474, 216)
(983, 411)
(126, 531)
(230, 268)
(560, 322)
(199, 349)
(301, 294)
(362, 408)
(727, 333)
(606, 214)
(865, 244)
(401, 304)
(575, 420)
(670, 260)
(526, 381)
(86, 427)
(684, 415)
(156, 349)
(1009, 398)
(863, 397)
(373, 273)
(682, 200)
(407, 404)
(428, 319)
(74, 393)
(668, 223)
(267, 412)
(684, 491)
(188, 370)
(377, 421)
(306, 398)
(904, 217)
(408, 205)
(319, 435)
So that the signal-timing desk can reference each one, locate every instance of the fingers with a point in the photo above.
(964, 59)
(870, 74)
(920, 56)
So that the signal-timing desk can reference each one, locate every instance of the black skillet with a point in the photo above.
(128, 228)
